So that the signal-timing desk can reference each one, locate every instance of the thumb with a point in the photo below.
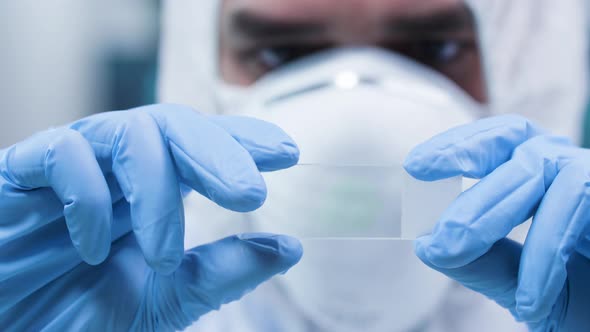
(495, 274)
(221, 272)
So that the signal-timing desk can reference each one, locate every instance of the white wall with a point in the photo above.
(49, 55)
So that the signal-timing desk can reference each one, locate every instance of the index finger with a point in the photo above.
(270, 147)
(212, 161)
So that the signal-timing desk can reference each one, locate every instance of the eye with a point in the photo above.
(271, 57)
(439, 52)
(434, 52)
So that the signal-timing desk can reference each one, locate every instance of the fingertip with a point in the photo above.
(429, 253)
(94, 247)
(439, 254)
(425, 165)
(165, 265)
(535, 296)
(288, 156)
(166, 259)
(246, 194)
(90, 234)
(88, 218)
(420, 250)
(95, 257)
(410, 164)
(288, 250)
(415, 165)
(162, 240)
(283, 155)
(530, 309)
(270, 146)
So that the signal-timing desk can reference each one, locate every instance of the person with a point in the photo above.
(107, 253)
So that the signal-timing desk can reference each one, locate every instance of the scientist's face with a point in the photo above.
(258, 36)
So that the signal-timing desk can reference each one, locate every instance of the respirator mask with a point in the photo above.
(355, 113)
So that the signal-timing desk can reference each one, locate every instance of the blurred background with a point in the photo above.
(65, 59)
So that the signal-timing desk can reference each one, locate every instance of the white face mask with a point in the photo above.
(355, 107)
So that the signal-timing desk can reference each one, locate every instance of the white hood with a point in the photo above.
(535, 55)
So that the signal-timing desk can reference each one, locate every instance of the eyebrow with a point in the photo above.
(248, 25)
(253, 26)
(450, 20)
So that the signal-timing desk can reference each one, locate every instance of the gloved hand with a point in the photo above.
(67, 193)
(525, 173)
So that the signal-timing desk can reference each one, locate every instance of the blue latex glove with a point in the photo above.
(546, 281)
(68, 193)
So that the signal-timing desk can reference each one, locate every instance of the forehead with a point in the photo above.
(333, 9)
